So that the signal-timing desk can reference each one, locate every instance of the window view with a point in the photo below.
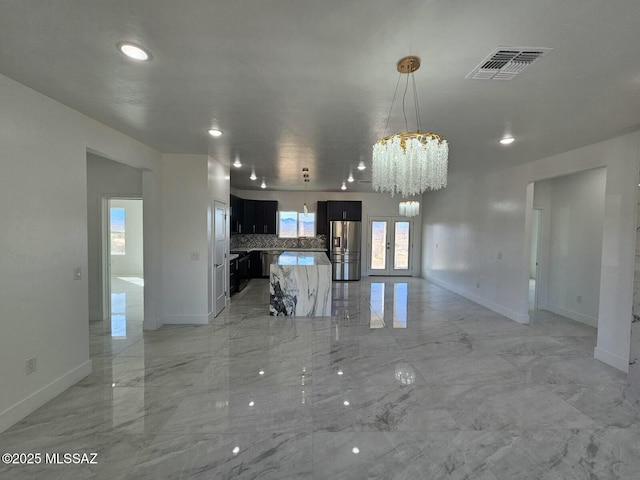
(116, 226)
(401, 251)
(306, 224)
(288, 225)
(294, 224)
(378, 245)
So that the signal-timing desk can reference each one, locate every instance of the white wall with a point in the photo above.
(373, 204)
(467, 225)
(185, 203)
(43, 199)
(105, 178)
(573, 239)
(131, 263)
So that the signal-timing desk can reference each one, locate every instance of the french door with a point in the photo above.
(389, 246)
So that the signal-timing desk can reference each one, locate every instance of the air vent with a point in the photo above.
(364, 181)
(504, 63)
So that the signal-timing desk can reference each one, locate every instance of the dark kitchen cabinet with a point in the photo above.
(255, 264)
(344, 210)
(266, 216)
(233, 277)
(260, 216)
(237, 214)
(322, 224)
(248, 217)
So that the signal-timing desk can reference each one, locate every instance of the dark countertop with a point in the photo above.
(274, 249)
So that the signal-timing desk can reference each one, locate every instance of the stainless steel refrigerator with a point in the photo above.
(344, 250)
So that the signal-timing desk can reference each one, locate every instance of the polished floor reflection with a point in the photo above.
(404, 381)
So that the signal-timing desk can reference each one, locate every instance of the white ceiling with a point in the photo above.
(301, 83)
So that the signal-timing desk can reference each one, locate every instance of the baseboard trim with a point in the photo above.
(186, 319)
(21, 409)
(578, 317)
(152, 324)
(515, 316)
(616, 361)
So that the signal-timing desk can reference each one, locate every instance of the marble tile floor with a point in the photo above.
(404, 381)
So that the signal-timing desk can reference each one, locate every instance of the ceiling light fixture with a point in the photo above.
(263, 185)
(133, 51)
(409, 209)
(507, 140)
(214, 132)
(344, 186)
(237, 163)
(361, 165)
(253, 175)
(350, 179)
(409, 163)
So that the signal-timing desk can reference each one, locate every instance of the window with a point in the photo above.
(294, 224)
(116, 227)
(306, 224)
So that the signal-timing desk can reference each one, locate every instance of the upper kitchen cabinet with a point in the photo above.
(248, 217)
(237, 214)
(267, 217)
(344, 210)
(260, 216)
(322, 225)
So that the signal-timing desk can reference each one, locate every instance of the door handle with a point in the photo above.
(217, 264)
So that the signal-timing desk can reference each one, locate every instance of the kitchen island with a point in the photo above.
(300, 284)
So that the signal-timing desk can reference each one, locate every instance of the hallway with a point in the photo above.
(405, 381)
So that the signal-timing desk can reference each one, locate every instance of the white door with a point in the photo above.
(389, 246)
(219, 247)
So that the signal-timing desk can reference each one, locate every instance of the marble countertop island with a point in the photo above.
(300, 284)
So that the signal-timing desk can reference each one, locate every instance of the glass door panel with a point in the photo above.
(378, 245)
(389, 246)
(401, 246)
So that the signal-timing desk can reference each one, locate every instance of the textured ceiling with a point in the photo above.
(310, 84)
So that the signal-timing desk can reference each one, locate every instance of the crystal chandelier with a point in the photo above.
(409, 163)
(409, 209)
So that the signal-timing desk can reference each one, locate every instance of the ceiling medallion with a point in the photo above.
(409, 163)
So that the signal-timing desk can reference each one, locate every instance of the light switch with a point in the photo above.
(77, 273)
(195, 256)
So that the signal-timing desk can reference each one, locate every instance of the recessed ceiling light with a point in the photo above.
(134, 52)
(237, 163)
(361, 165)
(344, 186)
(253, 175)
(263, 185)
(214, 132)
(507, 140)
(350, 179)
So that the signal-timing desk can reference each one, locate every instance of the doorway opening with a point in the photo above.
(390, 244)
(534, 264)
(123, 266)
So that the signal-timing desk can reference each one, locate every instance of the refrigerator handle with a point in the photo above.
(336, 242)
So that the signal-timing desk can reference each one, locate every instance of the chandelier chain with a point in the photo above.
(417, 106)
(393, 100)
(404, 113)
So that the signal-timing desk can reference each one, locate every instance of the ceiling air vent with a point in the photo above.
(504, 63)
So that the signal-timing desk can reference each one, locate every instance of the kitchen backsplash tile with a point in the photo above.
(272, 241)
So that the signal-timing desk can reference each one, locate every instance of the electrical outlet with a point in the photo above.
(32, 365)
(195, 256)
(77, 273)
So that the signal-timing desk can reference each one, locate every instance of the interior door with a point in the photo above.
(219, 267)
(389, 246)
